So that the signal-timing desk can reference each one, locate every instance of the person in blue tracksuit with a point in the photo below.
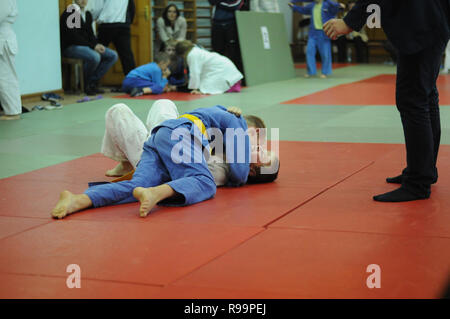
(164, 176)
(320, 11)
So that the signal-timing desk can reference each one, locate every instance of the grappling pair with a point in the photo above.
(158, 179)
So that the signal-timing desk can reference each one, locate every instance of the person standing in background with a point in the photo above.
(419, 30)
(9, 84)
(114, 18)
(224, 34)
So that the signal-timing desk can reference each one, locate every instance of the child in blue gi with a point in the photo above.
(320, 11)
(150, 78)
(159, 177)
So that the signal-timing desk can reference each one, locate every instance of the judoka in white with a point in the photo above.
(9, 84)
(209, 72)
(125, 135)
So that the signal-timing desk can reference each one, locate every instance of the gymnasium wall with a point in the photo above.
(38, 62)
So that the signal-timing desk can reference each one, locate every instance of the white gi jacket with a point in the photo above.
(210, 72)
(8, 15)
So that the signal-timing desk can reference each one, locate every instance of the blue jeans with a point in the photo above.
(95, 65)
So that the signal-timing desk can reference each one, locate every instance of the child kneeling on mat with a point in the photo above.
(150, 78)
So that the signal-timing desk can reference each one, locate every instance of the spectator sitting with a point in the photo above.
(81, 43)
(150, 78)
(171, 26)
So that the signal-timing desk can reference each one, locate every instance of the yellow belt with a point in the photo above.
(194, 119)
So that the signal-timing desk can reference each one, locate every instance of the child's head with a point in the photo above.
(163, 60)
(183, 48)
(261, 158)
(169, 47)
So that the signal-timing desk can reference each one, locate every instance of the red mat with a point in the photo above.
(322, 224)
(174, 96)
(318, 264)
(319, 65)
(379, 90)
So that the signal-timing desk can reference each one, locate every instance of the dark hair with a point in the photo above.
(166, 10)
(162, 57)
(263, 178)
(182, 47)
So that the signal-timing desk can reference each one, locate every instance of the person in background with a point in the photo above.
(224, 34)
(9, 84)
(114, 19)
(321, 11)
(419, 30)
(264, 6)
(209, 72)
(81, 43)
(447, 59)
(150, 78)
(177, 76)
(171, 26)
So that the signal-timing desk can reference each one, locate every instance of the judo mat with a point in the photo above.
(174, 96)
(311, 234)
(378, 90)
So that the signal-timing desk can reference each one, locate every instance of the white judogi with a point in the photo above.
(108, 11)
(210, 72)
(447, 59)
(264, 6)
(125, 135)
(9, 84)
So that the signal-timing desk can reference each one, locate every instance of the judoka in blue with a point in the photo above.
(317, 39)
(146, 76)
(191, 179)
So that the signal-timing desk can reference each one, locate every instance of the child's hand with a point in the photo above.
(196, 92)
(235, 110)
(166, 73)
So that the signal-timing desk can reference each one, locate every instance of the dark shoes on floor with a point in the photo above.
(399, 179)
(135, 92)
(94, 90)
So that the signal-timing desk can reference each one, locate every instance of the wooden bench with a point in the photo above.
(73, 75)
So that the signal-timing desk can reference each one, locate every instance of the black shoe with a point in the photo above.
(135, 92)
(90, 91)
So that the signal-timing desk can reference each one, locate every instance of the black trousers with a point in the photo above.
(225, 41)
(121, 38)
(417, 100)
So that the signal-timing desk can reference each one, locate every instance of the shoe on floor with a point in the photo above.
(135, 92)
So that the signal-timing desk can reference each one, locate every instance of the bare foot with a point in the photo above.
(70, 203)
(9, 117)
(147, 198)
(323, 76)
(307, 76)
(120, 170)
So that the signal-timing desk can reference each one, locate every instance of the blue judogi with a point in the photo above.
(148, 75)
(192, 181)
(317, 39)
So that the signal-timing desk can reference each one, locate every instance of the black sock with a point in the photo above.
(399, 180)
(395, 180)
(399, 195)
